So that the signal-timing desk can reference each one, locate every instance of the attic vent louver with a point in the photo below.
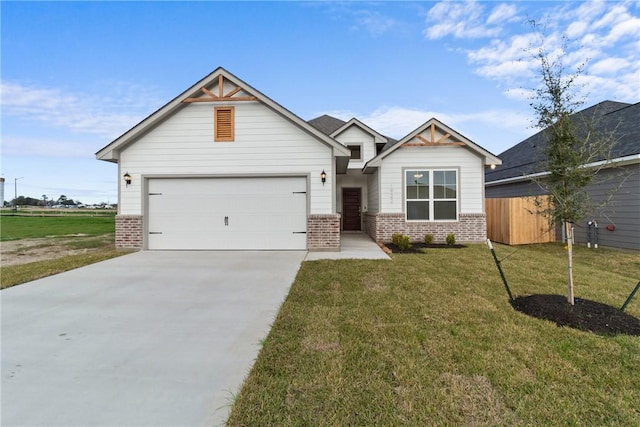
(224, 124)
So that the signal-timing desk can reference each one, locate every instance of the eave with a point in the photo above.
(602, 164)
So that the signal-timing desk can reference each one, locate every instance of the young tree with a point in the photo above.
(571, 143)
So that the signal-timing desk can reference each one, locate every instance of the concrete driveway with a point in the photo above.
(147, 339)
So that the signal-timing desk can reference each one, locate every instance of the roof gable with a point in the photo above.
(433, 133)
(219, 86)
(377, 137)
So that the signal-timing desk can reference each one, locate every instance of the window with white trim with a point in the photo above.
(431, 195)
(356, 152)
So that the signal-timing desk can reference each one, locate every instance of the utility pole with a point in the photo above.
(15, 189)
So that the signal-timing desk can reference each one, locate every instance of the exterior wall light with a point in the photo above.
(323, 177)
(127, 178)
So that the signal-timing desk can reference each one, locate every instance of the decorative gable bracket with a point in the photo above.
(221, 96)
(443, 140)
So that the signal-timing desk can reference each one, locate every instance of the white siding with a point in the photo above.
(356, 136)
(265, 144)
(470, 175)
(374, 192)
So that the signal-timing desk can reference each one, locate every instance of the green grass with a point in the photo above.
(59, 212)
(24, 227)
(18, 274)
(432, 340)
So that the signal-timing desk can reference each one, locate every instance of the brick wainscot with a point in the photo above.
(323, 232)
(468, 228)
(128, 231)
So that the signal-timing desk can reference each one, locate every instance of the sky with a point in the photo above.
(76, 75)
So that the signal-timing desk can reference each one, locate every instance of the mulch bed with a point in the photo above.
(416, 248)
(585, 315)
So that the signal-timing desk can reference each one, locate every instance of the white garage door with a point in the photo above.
(228, 213)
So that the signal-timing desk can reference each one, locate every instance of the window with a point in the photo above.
(224, 124)
(356, 152)
(431, 195)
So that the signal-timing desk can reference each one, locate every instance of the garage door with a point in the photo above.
(228, 213)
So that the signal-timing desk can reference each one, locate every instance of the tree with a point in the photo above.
(571, 144)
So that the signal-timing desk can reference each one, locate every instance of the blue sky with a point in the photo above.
(75, 75)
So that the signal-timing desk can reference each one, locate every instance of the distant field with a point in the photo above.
(58, 212)
(27, 227)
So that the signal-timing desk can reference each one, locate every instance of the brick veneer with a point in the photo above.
(323, 232)
(469, 228)
(128, 231)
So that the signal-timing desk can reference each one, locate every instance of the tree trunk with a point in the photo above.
(569, 234)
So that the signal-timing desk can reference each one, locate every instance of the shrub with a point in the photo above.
(404, 243)
(428, 239)
(401, 241)
(451, 239)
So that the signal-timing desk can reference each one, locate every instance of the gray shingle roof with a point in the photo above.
(326, 124)
(608, 116)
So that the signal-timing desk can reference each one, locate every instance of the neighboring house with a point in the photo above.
(618, 181)
(222, 166)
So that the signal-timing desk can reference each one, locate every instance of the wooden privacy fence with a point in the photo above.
(513, 221)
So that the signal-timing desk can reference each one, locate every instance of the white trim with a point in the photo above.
(356, 144)
(619, 161)
(377, 138)
(431, 200)
(489, 158)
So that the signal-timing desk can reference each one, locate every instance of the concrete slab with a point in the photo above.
(147, 339)
(352, 246)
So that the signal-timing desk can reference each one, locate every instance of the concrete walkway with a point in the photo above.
(352, 245)
(147, 339)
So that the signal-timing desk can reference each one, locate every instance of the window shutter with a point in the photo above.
(224, 124)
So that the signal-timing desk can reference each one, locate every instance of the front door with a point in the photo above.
(351, 209)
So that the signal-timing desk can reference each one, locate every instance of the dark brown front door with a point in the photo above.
(351, 209)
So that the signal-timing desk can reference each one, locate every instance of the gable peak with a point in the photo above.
(433, 136)
(222, 89)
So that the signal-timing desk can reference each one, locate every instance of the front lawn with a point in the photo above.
(432, 340)
(34, 247)
(28, 227)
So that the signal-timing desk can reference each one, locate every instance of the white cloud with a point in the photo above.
(458, 19)
(371, 21)
(627, 27)
(106, 114)
(502, 13)
(374, 22)
(603, 35)
(576, 29)
(397, 122)
(47, 147)
(520, 94)
(609, 66)
(467, 20)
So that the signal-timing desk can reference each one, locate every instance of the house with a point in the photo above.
(222, 166)
(618, 180)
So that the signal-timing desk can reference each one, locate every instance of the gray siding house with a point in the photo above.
(619, 220)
